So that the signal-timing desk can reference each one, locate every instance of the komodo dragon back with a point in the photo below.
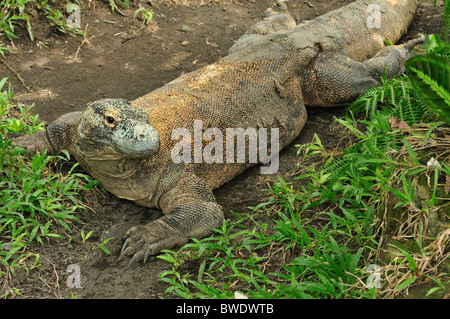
(170, 148)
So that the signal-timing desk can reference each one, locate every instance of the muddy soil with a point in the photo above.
(120, 58)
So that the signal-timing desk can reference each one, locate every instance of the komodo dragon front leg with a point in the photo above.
(59, 135)
(190, 211)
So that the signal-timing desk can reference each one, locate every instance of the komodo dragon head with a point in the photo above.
(115, 128)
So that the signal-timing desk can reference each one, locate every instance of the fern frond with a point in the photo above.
(446, 19)
(368, 102)
(409, 109)
(395, 97)
(340, 165)
(429, 75)
(435, 44)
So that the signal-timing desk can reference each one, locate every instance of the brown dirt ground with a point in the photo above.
(117, 58)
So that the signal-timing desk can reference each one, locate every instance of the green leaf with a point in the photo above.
(405, 283)
(412, 263)
(326, 282)
(2, 82)
(411, 152)
(430, 77)
(355, 260)
(105, 250)
(432, 290)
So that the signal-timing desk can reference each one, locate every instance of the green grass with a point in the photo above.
(15, 14)
(35, 196)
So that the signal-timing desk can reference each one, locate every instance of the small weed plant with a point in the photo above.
(34, 195)
(15, 14)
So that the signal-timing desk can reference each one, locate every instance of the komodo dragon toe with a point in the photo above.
(145, 240)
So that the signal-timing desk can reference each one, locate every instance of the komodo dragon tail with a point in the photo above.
(360, 29)
(337, 56)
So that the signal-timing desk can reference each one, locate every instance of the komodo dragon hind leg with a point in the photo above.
(335, 80)
(273, 21)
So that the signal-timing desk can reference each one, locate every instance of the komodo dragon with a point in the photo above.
(265, 81)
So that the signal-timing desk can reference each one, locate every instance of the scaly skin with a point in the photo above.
(266, 80)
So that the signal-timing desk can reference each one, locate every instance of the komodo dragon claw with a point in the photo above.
(145, 240)
(409, 46)
(194, 216)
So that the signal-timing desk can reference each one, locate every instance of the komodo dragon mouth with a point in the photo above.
(115, 127)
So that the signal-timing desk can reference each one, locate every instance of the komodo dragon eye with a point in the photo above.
(110, 120)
